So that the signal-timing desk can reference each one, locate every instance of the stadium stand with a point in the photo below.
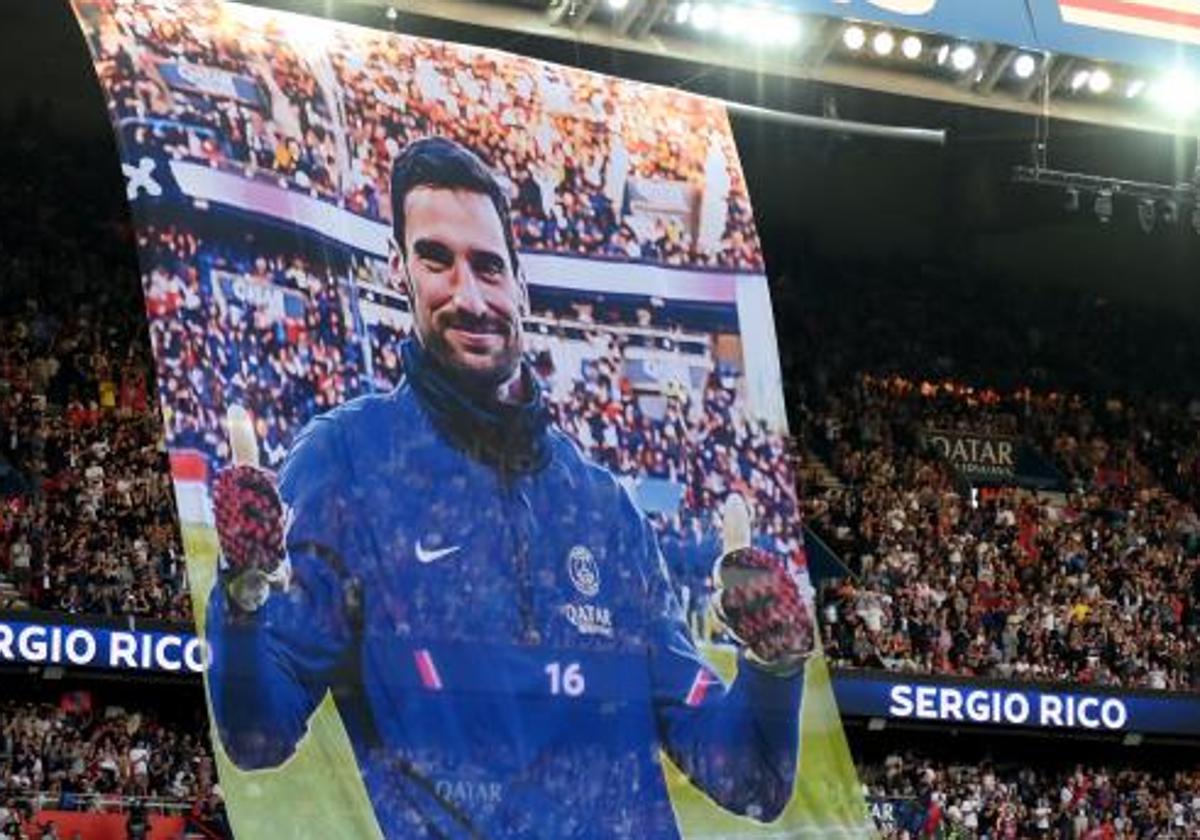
(1093, 581)
(1095, 585)
(1096, 582)
(86, 518)
(94, 755)
(925, 796)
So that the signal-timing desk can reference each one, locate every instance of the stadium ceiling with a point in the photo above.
(778, 41)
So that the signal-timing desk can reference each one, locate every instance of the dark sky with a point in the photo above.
(839, 198)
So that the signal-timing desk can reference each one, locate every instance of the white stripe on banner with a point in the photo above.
(905, 7)
(199, 181)
(1132, 26)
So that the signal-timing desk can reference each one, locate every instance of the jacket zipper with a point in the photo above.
(520, 519)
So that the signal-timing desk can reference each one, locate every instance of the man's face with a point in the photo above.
(466, 297)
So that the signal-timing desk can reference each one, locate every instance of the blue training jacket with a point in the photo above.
(494, 620)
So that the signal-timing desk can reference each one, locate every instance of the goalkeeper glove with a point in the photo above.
(249, 515)
(762, 606)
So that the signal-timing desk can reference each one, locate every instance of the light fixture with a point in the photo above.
(733, 21)
(391, 13)
(963, 58)
(1177, 93)
(854, 38)
(617, 5)
(1135, 88)
(760, 26)
(883, 43)
(1072, 203)
(704, 17)
(1080, 79)
(682, 12)
(1147, 215)
(912, 47)
(1170, 212)
(1104, 206)
(943, 54)
(1025, 66)
(787, 30)
(1100, 81)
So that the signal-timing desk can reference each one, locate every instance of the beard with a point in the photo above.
(482, 352)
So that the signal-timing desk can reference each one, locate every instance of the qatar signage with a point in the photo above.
(985, 459)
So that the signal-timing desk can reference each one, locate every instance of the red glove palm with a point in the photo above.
(758, 599)
(761, 604)
(249, 516)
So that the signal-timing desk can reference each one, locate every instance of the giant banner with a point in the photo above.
(470, 382)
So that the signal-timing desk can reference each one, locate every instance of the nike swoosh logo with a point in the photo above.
(428, 555)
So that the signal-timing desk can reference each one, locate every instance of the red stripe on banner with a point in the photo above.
(428, 671)
(699, 689)
(188, 465)
(1139, 11)
(800, 558)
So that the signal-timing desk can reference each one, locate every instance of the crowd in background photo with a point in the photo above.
(599, 167)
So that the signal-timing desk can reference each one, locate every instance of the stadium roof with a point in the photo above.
(995, 55)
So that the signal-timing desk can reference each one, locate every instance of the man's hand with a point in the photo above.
(758, 600)
(249, 517)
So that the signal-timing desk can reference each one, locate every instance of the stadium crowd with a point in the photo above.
(593, 175)
(1093, 578)
(1021, 584)
(1096, 584)
(74, 756)
(86, 517)
(915, 796)
(78, 755)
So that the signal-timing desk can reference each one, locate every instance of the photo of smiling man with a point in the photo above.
(488, 608)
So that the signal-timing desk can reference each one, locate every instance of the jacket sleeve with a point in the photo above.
(739, 743)
(270, 669)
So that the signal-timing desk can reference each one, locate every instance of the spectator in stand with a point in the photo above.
(86, 517)
(70, 756)
(936, 799)
(1096, 586)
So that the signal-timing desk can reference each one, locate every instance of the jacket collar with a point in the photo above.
(511, 438)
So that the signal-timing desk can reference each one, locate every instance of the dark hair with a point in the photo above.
(443, 164)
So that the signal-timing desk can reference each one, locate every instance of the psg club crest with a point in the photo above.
(584, 572)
